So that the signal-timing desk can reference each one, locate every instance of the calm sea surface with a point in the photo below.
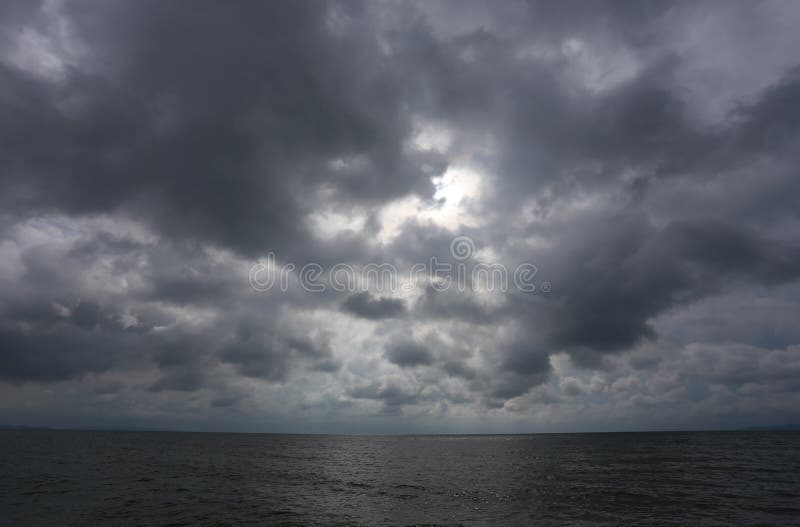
(162, 478)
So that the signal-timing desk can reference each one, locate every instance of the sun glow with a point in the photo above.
(451, 207)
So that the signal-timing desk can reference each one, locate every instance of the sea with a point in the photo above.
(85, 478)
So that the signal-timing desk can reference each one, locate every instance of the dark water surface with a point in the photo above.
(162, 478)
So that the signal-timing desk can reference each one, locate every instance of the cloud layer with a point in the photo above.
(642, 156)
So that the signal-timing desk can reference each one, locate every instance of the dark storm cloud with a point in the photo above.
(628, 272)
(60, 337)
(746, 367)
(266, 354)
(57, 325)
(453, 304)
(774, 119)
(391, 395)
(149, 150)
(364, 305)
(224, 152)
(57, 355)
(408, 353)
(182, 381)
(608, 300)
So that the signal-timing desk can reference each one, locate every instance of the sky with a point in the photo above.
(589, 212)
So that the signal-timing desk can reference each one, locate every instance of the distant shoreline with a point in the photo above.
(32, 428)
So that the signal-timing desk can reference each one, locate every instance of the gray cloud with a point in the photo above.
(364, 305)
(641, 154)
(407, 353)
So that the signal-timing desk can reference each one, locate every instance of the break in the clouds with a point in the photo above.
(642, 156)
